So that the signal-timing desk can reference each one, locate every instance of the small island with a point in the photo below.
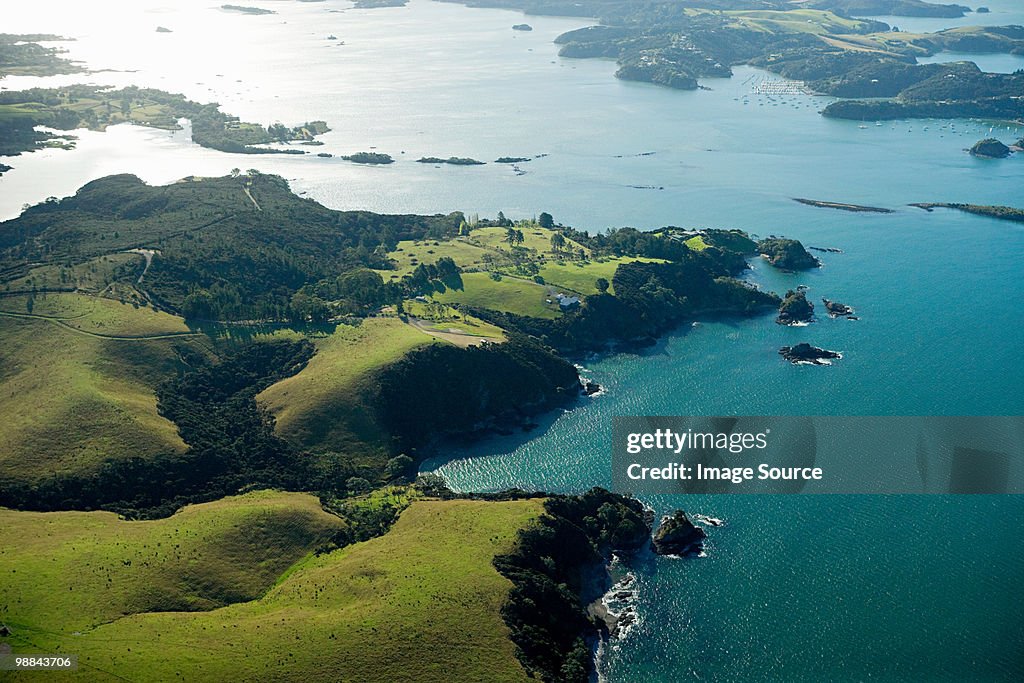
(837, 310)
(522, 27)
(677, 535)
(246, 10)
(163, 29)
(805, 354)
(857, 208)
(379, 4)
(453, 161)
(990, 148)
(369, 158)
(512, 160)
(795, 309)
(787, 254)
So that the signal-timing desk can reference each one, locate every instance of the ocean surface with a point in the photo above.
(792, 588)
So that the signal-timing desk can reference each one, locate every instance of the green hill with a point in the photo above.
(77, 383)
(73, 571)
(231, 248)
(421, 603)
(324, 405)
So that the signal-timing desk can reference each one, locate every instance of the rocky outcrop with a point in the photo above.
(677, 535)
(795, 309)
(990, 148)
(805, 354)
(787, 254)
(836, 309)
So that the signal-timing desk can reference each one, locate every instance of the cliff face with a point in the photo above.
(484, 387)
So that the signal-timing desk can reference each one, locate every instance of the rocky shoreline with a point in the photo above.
(677, 536)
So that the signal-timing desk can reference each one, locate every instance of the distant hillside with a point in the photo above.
(231, 248)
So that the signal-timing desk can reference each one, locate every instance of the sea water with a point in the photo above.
(826, 588)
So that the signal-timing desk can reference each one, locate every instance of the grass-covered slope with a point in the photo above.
(72, 571)
(421, 603)
(77, 383)
(581, 276)
(508, 294)
(323, 406)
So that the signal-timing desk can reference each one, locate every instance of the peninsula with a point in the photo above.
(1005, 213)
(96, 108)
(22, 55)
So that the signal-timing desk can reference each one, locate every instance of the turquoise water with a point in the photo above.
(826, 588)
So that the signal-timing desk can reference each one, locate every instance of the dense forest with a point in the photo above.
(231, 443)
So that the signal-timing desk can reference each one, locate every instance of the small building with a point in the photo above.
(568, 303)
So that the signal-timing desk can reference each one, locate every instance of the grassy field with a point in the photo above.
(697, 243)
(92, 276)
(482, 249)
(321, 406)
(96, 315)
(818, 22)
(444, 318)
(71, 399)
(420, 603)
(534, 237)
(409, 254)
(513, 295)
(580, 276)
(72, 571)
